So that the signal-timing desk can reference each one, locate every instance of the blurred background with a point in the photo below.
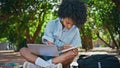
(23, 21)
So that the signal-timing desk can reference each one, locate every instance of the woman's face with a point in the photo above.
(67, 22)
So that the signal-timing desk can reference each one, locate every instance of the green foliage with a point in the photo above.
(16, 16)
(105, 20)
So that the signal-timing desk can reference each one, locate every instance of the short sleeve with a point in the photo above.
(76, 39)
(48, 33)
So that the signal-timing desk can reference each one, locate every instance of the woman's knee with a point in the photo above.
(23, 50)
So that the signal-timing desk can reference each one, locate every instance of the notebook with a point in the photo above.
(46, 50)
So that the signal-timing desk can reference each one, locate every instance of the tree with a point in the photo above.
(104, 13)
(117, 3)
(22, 21)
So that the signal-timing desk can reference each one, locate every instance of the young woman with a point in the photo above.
(62, 32)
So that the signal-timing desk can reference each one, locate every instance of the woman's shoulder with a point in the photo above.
(54, 22)
(75, 28)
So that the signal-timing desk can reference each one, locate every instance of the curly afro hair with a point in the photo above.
(74, 9)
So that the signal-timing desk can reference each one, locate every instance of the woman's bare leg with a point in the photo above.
(26, 53)
(65, 58)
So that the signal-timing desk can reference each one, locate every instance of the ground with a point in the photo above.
(7, 56)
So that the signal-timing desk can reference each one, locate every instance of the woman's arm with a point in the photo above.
(48, 33)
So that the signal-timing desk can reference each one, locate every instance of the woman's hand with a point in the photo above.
(49, 42)
(66, 46)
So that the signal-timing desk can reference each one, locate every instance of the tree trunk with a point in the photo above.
(104, 41)
(112, 37)
(86, 39)
(32, 39)
(117, 3)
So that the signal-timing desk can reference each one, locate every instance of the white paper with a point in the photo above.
(68, 49)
